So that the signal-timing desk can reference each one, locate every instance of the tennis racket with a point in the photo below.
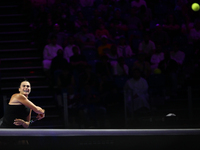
(33, 120)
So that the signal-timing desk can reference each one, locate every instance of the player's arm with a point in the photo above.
(23, 100)
(24, 123)
(28, 119)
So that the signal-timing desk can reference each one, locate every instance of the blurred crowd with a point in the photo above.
(107, 52)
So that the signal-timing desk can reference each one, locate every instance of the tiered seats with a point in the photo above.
(20, 59)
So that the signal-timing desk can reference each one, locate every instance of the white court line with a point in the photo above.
(96, 132)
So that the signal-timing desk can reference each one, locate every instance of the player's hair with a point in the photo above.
(23, 80)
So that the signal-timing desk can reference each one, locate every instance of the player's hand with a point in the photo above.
(40, 116)
(18, 122)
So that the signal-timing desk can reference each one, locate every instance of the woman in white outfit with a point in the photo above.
(136, 92)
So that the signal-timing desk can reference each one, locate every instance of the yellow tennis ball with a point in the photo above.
(195, 7)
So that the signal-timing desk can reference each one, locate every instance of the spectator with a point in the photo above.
(84, 38)
(133, 22)
(154, 22)
(147, 46)
(157, 57)
(103, 7)
(58, 64)
(66, 79)
(120, 69)
(50, 51)
(171, 27)
(145, 15)
(159, 36)
(195, 34)
(136, 92)
(103, 67)
(104, 48)
(108, 91)
(87, 3)
(64, 21)
(65, 82)
(117, 17)
(168, 65)
(179, 4)
(128, 18)
(87, 77)
(68, 49)
(96, 19)
(169, 68)
(117, 25)
(143, 65)
(61, 36)
(78, 61)
(138, 3)
(80, 21)
(102, 31)
(112, 55)
(123, 5)
(177, 55)
(123, 49)
(187, 25)
(74, 7)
